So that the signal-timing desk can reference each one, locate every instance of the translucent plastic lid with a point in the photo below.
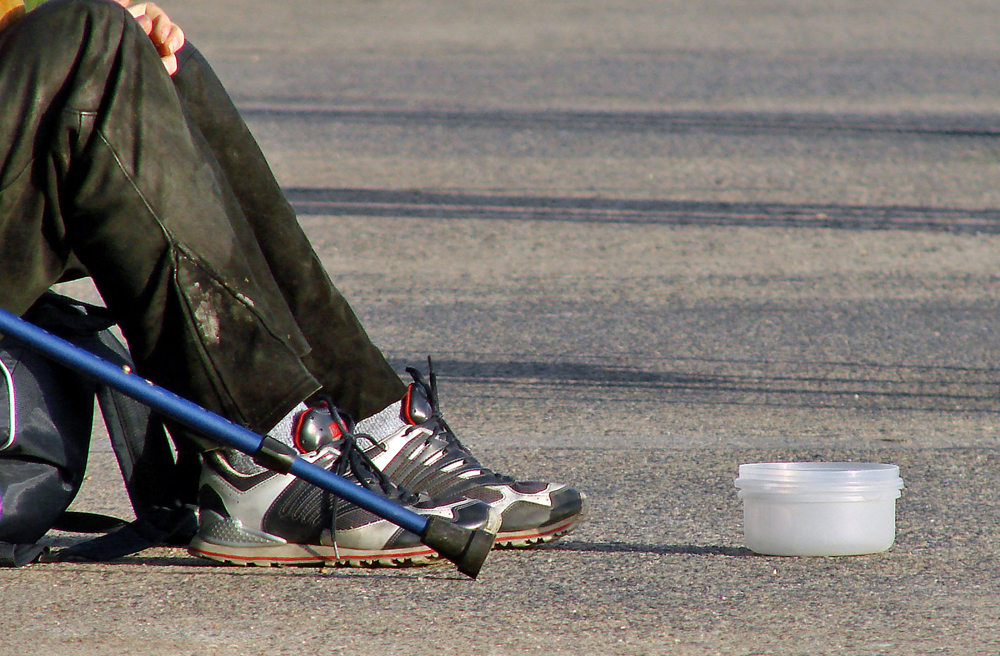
(815, 476)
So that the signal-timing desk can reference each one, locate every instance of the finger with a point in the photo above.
(176, 40)
(138, 11)
(166, 36)
(160, 32)
(145, 23)
(123, 3)
(170, 63)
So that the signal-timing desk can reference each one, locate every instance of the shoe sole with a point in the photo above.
(298, 555)
(542, 535)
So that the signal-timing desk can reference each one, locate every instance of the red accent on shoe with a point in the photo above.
(335, 431)
(407, 417)
(297, 431)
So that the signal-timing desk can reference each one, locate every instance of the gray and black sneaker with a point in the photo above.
(253, 516)
(424, 455)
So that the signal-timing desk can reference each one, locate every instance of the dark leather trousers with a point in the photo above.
(154, 187)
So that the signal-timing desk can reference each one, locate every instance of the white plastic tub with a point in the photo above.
(819, 508)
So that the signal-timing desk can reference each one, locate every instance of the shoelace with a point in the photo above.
(439, 426)
(430, 391)
(354, 460)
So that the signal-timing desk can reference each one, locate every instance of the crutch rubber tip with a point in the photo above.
(465, 547)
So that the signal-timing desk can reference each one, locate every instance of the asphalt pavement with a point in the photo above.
(644, 242)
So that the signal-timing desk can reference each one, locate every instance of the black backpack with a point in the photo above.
(46, 417)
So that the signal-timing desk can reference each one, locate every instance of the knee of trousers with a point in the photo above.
(79, 20)
(82, 36)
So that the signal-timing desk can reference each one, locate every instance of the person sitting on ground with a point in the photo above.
(122, 158)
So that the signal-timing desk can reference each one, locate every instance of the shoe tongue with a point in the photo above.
(416, 408)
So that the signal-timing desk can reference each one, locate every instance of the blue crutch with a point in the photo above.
(465, 547)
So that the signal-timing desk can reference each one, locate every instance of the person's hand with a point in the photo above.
(164, 33)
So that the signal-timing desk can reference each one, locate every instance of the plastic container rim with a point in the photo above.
(860, 480)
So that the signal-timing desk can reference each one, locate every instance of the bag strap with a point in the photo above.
(156, 528)
(75, 521)
(140, 442)
(19, 555)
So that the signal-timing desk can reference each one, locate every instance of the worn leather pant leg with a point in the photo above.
(97, 162)
(352, 371)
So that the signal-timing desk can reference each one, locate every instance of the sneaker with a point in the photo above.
(426, 456)
(253, 516)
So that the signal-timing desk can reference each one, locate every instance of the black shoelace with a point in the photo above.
(438, 424)
(430, 391)
(353, 460)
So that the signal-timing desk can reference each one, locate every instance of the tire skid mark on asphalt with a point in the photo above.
(830, 384)
(387, 203)
(941, 125)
